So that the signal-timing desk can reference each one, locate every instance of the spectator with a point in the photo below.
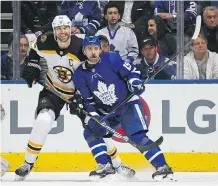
(135, 15)
(151, 61)
(166, 42)
(105, 45)
(42, 62)
(200, 63)
(122, 39)
(102, 4)
(167, 10)
(203, 4)
(7, 59)
(209, 29)
(85, 16)
(37, 15)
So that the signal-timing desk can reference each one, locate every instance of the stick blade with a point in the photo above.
(153, 145)
(197, 27)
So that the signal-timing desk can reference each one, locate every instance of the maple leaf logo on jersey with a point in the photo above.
(106, 95)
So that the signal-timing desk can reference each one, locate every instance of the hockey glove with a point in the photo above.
(136, 85)
(97, 128)
(76, 104)
(31, 72)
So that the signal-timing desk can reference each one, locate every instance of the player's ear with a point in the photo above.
(84, 52)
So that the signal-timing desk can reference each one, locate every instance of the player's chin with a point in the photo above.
(93, 60)
(64, 39)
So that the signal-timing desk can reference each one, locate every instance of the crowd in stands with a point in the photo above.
(143, 32)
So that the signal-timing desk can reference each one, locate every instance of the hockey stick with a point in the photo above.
(103, 124)
(195, 35)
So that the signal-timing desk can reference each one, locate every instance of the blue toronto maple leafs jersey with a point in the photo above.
(105, 85)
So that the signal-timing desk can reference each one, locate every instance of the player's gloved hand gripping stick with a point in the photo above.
(125, 138)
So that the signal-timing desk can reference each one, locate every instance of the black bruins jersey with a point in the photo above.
(61, 63)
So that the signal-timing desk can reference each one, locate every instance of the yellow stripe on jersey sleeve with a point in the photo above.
(73, 57)
(48, 51)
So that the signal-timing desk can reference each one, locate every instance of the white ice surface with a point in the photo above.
(82, 179)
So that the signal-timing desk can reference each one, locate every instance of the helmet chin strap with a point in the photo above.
(64, 44)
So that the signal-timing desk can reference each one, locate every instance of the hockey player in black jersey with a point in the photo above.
(63, 54)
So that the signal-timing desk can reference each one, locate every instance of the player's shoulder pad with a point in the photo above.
(110, 54)
(111, 57)
(75, 44)
(46, 42)
(81, 68)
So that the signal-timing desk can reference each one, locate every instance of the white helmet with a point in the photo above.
(61, 20)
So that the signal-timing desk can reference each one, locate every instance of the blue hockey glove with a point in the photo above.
(136, 85)
(97, 127)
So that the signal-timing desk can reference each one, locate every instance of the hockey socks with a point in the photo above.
(97, 146)
(41, 128)
(112, 152)
(155, 155)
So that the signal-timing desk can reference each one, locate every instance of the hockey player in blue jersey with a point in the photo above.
(103, 82)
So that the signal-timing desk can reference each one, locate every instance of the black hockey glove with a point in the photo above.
(76, 104)
(31, 72)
